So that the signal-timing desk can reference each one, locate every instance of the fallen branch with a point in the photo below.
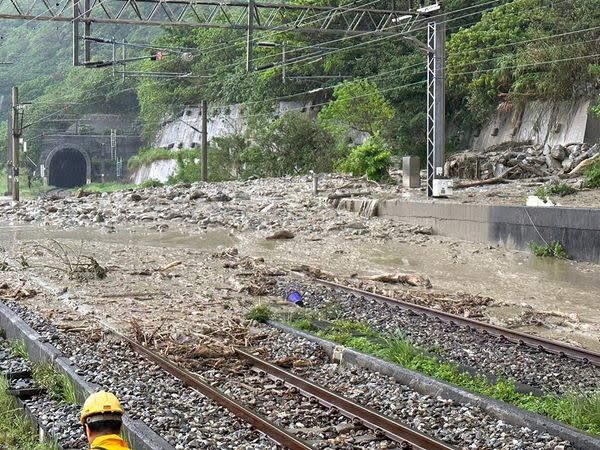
(583, 165)
(410, 279)
(499, 179)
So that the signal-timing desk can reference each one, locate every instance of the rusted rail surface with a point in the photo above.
(411, 439)
(372, 419)
(539, 343)
(278, 435)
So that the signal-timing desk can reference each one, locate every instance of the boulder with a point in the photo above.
(281, 234)
(553, 163)
(558, 152)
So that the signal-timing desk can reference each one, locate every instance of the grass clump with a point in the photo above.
(151, 183)
(557, 189)
(148, 156)
(261, 313)
(592, 176)
(553, 249)
(58, 384)
(18, 349)
(579, 410)
(16, 431)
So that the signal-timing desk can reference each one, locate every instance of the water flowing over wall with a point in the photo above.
(546, 123)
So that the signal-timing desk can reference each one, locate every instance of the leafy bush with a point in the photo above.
(293, 144)
(358, 106)
(372, 158)
(553, 249)
(151, 183)
(189, 167)
(224, 156)
(147, 156)
(592, 175)
(560, 189)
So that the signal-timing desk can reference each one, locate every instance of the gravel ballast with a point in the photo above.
(182, 416)
(461, 425)
(484, 353)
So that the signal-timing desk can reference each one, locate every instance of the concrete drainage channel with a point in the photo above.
(139, 435)
(434, 388)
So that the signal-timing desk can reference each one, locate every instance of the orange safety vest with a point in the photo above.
(109, 442)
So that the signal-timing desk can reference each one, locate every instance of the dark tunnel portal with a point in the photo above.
(67, 169)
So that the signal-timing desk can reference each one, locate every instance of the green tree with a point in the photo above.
(519, 51)
(292, 144)
(357, 106)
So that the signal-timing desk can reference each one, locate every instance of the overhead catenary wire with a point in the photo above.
(406, 85)
(390, 72)
(293, 95)
(294, 61)
(317, 55)
(286, 29)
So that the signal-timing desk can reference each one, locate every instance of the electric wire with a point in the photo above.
(319, 55)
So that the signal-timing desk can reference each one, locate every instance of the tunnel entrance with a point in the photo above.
(67, 168)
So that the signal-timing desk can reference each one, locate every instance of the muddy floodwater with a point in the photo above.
(563, 297)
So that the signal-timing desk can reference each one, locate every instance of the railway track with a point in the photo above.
(538, 343)
(405, 437)
(392, 401)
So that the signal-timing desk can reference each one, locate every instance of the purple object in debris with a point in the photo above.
(295, 297)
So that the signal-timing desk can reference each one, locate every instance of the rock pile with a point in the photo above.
(522, 160)
(274, 207)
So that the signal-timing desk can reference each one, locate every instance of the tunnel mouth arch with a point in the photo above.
(67, 168)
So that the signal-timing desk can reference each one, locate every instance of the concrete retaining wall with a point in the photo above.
(159, 170)
(546, 123)
(578, 229)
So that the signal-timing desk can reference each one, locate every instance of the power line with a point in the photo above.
(318, 55)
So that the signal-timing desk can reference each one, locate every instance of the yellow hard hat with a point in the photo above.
(102, 403)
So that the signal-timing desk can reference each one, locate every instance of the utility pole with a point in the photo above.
(9, 156)
(250, 37)
(204, 141)
(16, 134)
(436, 100)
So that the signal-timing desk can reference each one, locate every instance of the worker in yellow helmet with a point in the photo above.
(101, 418)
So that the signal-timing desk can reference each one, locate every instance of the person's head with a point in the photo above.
(101, 415)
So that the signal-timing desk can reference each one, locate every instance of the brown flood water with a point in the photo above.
(517, 280)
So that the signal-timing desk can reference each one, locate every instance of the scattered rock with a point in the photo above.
(281, 234)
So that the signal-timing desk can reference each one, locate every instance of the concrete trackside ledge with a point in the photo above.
(138, 434)
(430, 386)
(578, 229)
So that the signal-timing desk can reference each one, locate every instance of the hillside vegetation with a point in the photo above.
(499, 54)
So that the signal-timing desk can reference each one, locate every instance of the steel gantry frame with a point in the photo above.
(436, 104)
(250, 16)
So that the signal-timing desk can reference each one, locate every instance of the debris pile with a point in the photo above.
(513, 161)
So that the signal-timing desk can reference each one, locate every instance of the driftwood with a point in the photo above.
(584, 164)
(499, 179)
(410, 279)
(313, 272)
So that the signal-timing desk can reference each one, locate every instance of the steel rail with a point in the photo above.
(372, 419)
(517, 337)
(275, 433)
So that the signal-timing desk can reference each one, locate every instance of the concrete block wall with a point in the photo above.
(578, 229)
